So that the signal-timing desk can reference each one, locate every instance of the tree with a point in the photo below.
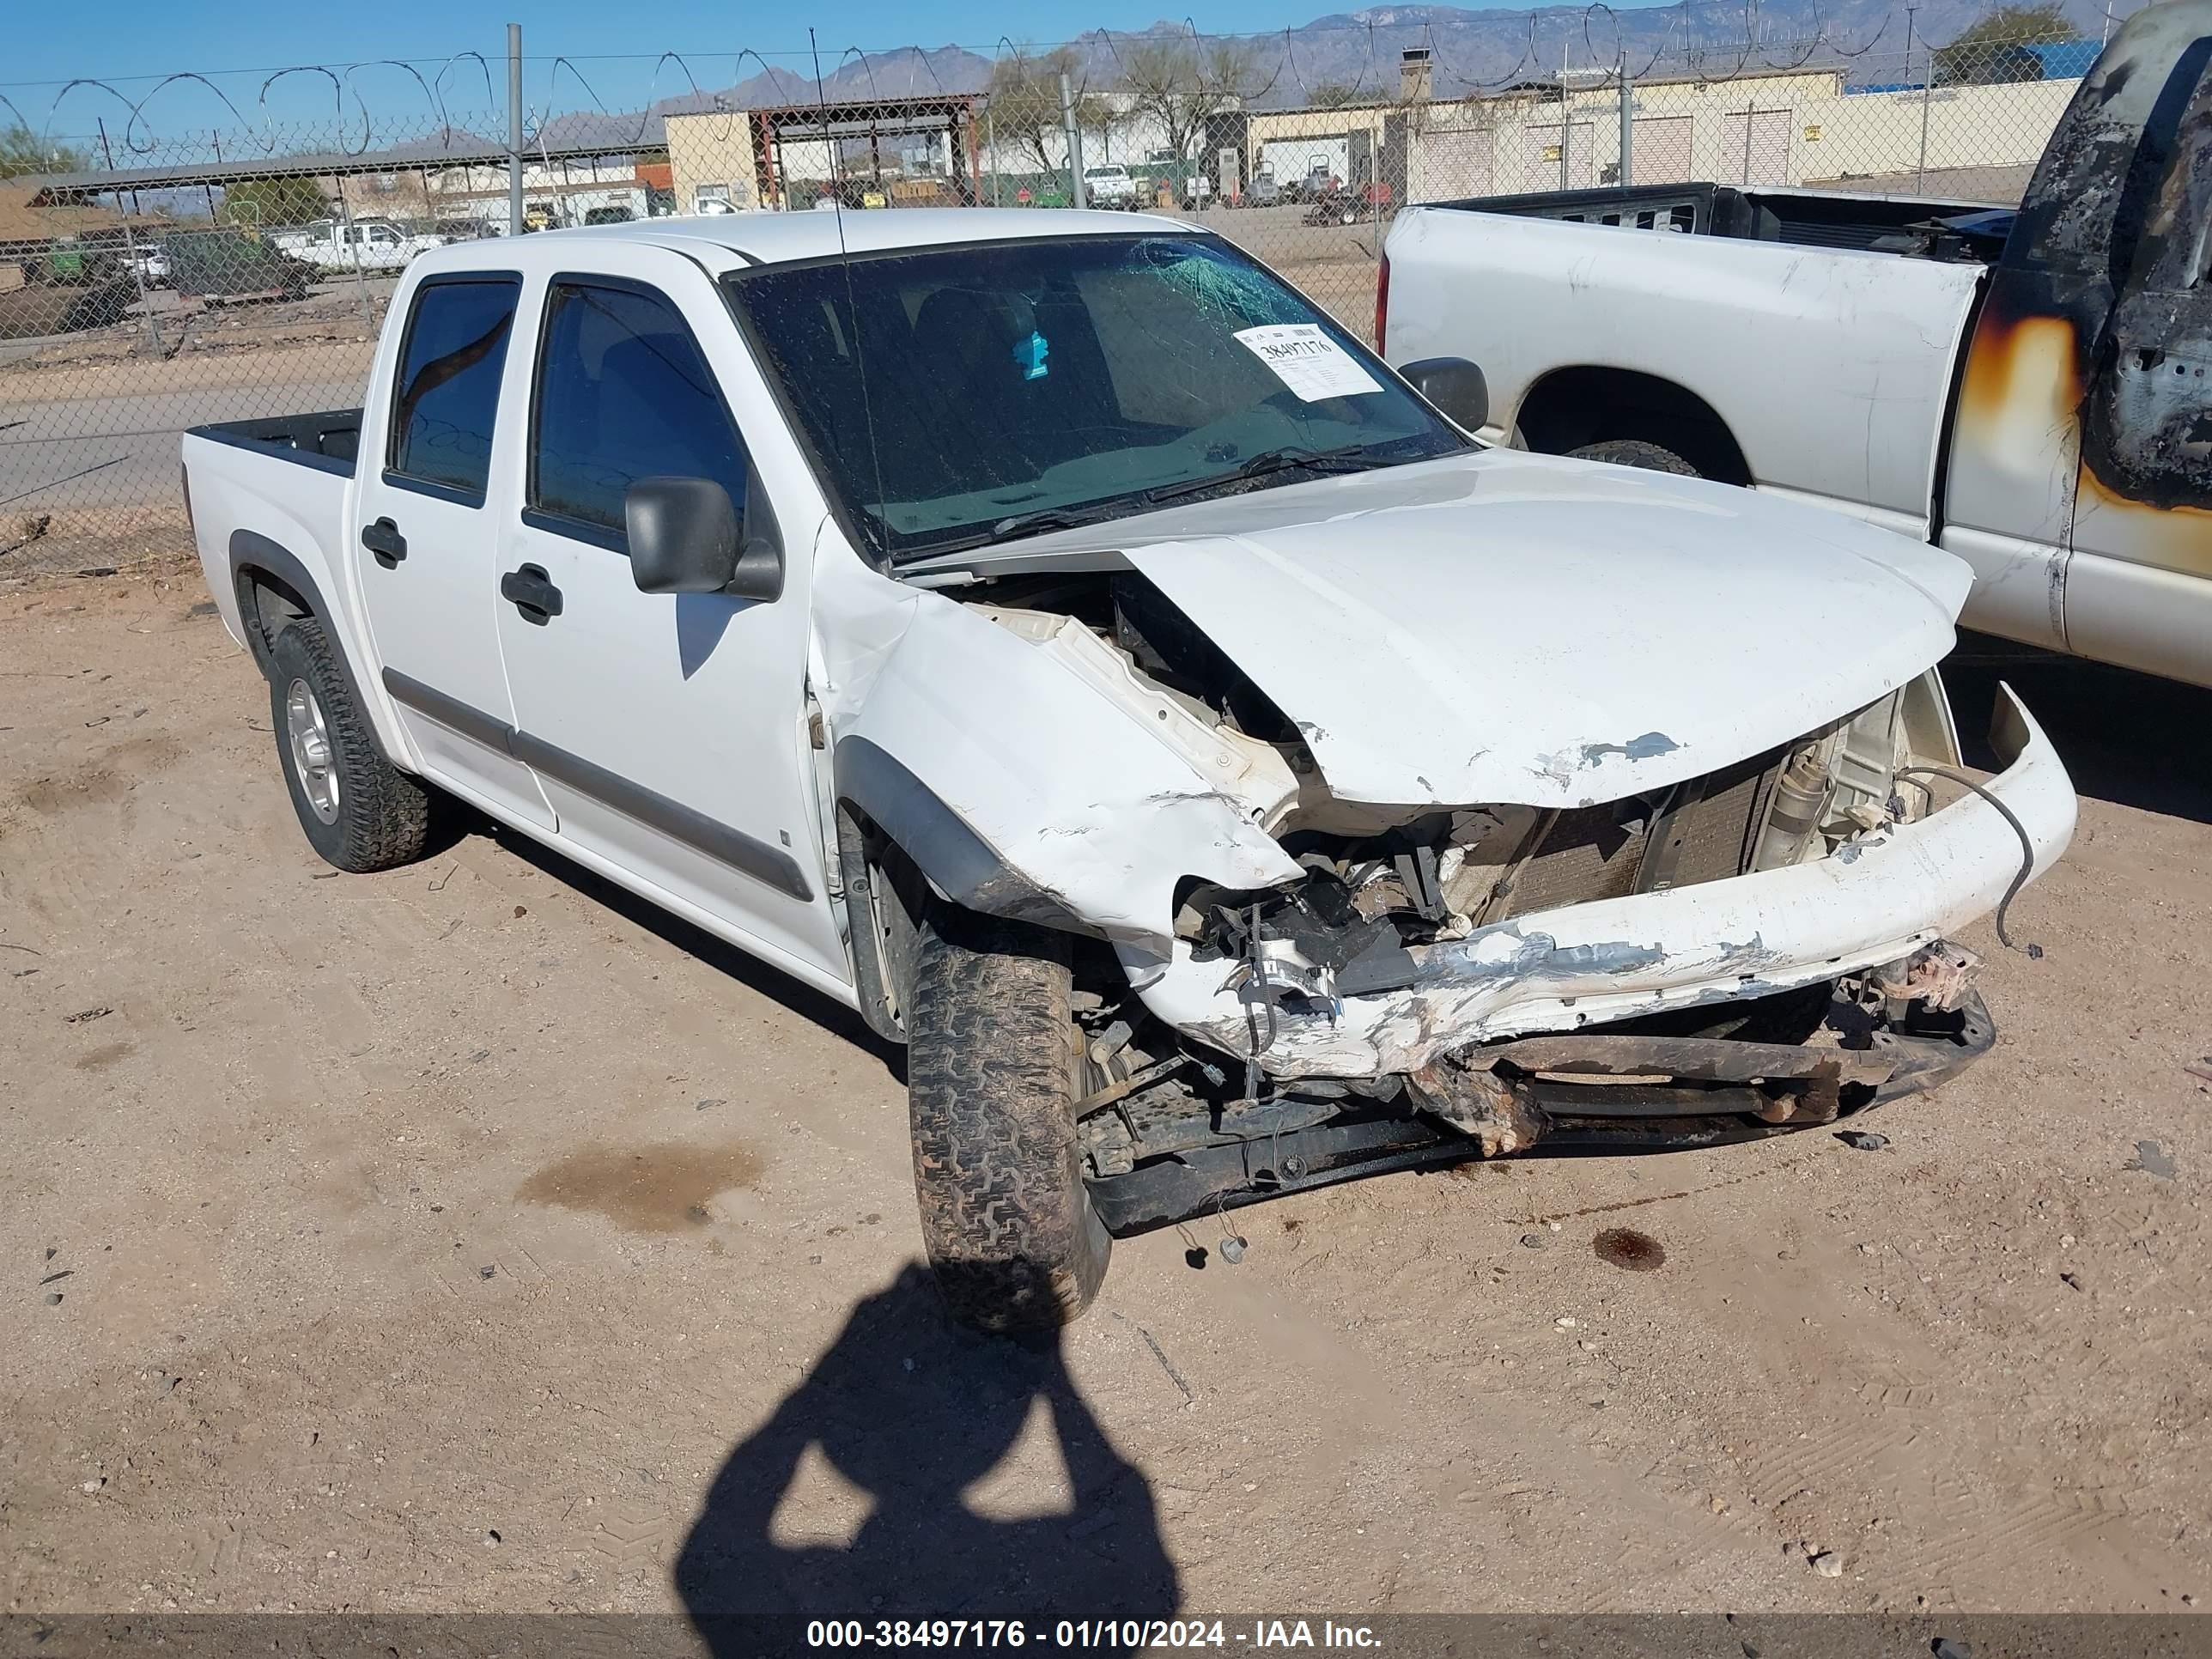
(1025, 93)
(21, 152)
(259, 201)
(1996, 49)
(1175, 84)
(1333, 94)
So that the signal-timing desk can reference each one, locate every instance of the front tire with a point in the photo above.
(1634, 452)
(992, 1064)
(358, 810)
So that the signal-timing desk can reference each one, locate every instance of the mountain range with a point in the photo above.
(1470, 49)
(1357, 53)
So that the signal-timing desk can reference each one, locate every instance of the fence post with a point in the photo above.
(1628, 126)
(1074, 146)
(1927, 91)
(1566, 119)
(514, 129)
(1920, 172)
(991, 144)
(346, 231)
(131, 247)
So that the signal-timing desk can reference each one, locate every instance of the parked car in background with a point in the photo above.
(608, 215)
(1109, 186)
(1059, 642)
(2025, 389)
(356, 244)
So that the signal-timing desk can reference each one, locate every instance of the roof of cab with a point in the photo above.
(773, 238)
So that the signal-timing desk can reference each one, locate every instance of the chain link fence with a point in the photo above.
(154, 282)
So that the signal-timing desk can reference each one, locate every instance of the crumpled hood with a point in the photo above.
(1512, 628)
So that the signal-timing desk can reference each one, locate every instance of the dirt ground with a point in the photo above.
(470, 1238)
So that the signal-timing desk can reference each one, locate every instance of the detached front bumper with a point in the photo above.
(1876, 900)
(1566, 1095)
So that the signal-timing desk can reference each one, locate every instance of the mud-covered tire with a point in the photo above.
(381, 815)
(991, 1073)
(1634, 452)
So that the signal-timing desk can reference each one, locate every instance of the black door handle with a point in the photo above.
(529, 591)
(383, 539)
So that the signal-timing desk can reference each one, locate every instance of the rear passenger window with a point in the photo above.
(623, 393)
(449, 371)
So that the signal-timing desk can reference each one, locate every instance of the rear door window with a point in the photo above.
(449, 373)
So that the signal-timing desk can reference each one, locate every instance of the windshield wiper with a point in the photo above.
(1056, 518)
(1031, 524)
(1268, 462)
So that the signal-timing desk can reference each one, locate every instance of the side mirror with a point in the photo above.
(685, 538)
(1454, 386)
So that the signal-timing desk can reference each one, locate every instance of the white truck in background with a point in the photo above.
(1109, 186)
(376, 245)
(2026, 389)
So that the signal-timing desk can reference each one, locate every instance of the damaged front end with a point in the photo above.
(1700, 957)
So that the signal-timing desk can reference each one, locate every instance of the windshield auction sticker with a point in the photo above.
(1306, 361)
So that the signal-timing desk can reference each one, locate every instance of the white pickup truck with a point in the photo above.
(2029, 392)
(1109, 186)
(1053, 637)
(356, 244)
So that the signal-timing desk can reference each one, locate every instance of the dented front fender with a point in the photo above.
(1021, 790)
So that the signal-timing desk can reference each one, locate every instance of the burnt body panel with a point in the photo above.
(2084, 421)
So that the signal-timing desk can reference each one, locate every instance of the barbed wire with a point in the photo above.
(1681, 10)
(274, 228)
(1734, 46)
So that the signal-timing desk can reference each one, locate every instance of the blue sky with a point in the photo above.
(614, 46)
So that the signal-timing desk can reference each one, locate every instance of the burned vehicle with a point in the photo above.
(1079, 655)
(2040, 373)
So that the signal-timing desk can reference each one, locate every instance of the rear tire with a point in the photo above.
(992, 1060)
(358, 810)
(1634, 452)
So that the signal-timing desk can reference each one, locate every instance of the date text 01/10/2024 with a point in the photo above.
(1080, 1634)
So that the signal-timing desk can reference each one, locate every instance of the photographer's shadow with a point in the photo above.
(913, 1411)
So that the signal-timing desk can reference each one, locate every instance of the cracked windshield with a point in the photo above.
(961, 397)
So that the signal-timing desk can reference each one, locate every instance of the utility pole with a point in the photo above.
(514, 129)
(1075, 196)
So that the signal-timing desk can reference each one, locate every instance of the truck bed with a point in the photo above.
(1913, 225)
(328, 440)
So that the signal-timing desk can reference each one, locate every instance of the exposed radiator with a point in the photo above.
(1706, 829)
